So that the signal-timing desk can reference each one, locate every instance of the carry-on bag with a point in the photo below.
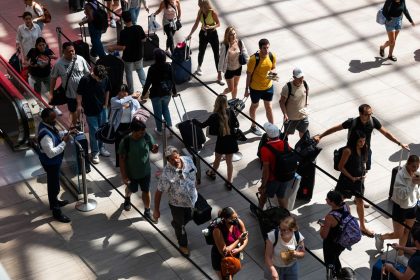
(291, 192)
(152, 42)
(82, 140)
(394, 174)
(377, 267)
(201, 211)
(115, 69)
(307, 183)
(237, 104)
(181, 62)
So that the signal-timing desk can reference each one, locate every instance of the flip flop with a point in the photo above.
(210, 174)
(368, 233)
(381, 52)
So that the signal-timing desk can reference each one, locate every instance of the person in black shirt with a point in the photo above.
(39, 59)
(131, 42)
(366, 123)
(392, 11)
(92, 97)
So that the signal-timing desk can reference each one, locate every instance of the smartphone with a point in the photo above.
(321, 222)
(244, 235)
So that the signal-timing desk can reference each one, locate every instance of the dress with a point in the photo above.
(355, 165)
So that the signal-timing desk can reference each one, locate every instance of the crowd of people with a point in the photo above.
(87, 91)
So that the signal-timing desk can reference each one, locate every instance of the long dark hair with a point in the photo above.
(352, 143)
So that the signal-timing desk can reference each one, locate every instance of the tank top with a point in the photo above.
(355, 164)
(230, 237)
(208, 20)
(233, 58)
(169, 13)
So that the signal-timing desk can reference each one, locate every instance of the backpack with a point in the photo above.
(289, 88)
(208, 232)
(349, 231)
(337, 157)
(286, 162)
(276, 237)
(46, 18)
(100, 17)
(166, 86)
(257, 60)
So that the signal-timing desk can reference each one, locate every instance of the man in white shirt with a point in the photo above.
(26, 35)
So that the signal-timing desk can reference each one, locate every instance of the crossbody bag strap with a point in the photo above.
(68, 77)
(176, 10)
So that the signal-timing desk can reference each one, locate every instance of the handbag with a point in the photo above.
(380, 18)
(178, 23)
(242, 58)
(240, 135)
(59, 94)
(106, 132)
(230, 265)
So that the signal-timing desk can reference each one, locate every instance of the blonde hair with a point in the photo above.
(220, 106)
(205, 4)
(228, 31)
(290, 223)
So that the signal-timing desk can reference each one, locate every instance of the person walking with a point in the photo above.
(404, 200)
(393, 11)
(294, 98)
(209, 20)
(135, 164)
(133, 6)
(171, 14)
(26, 36)
(222, 123)
(178, 179)
(95, 30)
(160, 78)
(230, 238)
(75, 66)
(366, 123)
(131, 42)
(39, 59)
(112, 5)
(52, 144)
(283, 247)
(258, 85)
(230, 50)
(92, 97)
(123, 107)
(36, 10)
(352, 166)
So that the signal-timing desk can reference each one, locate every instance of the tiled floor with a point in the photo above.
(334, 42)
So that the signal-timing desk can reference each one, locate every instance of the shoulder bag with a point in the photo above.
(59, 94)
(242, 59)
(178, 23)
(230, 265)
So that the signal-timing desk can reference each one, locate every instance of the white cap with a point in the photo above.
(272, 130)
(170, 150)
(297, 73)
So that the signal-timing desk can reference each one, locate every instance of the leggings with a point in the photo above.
(332, 252)
(169, 31)
(206, 37)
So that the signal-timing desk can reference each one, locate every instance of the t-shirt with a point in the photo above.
(40, 62)
(367, 128)
(414, 264)
(268, 156)
(282, 246)
(295, 102)
(62, 68)
(131, 37)
(259, 78)
(93, 94)
(137, 159)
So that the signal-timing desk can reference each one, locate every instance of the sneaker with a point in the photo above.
(379, 243)
(256, 130)
(220, 82)
(127, 204)
(104, 152)
(184, 250)
(57, 111)
(113, 24)
(402, 260)
(149, 216)
(95, 159)
(158, 132)
(198, 71)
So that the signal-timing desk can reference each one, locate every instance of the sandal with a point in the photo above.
(228, 186)
(393, 58)
(210, 174)
(381, 52)
(367, 233)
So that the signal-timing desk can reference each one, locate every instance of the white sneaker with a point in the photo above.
(57, 111)
(104, 152)
(379, 243)
(198, 71)
(95, 159)
(113, 24)
(402, 260)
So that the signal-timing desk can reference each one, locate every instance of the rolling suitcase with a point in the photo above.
(237, 104)
(152, 42)
(202, 211)
(394, 174)
(307, 183)
(291, 192)
(181, 62)
(115, 68)
(377, 267)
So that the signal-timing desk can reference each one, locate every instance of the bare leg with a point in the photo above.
(217, 158)
(235, 86)
(127, 192)
(392, 43)
(361, 213)
(404, 237)
(269, 111)
(229, 167)
(252, 110)
(229, 83)
(145, 196)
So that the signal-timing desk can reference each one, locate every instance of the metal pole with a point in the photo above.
(164, 141)
(58, 30)
(87, 204)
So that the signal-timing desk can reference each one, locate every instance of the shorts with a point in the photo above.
(400, 214)
(143, 182)
(300, 125)
(266, 95)
(72, 104)
(277, 188)
(395, 24)
(347, 188)
(232, 73)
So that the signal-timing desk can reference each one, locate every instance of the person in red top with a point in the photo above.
(270, 187)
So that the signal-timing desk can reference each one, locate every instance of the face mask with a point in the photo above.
(234, 222)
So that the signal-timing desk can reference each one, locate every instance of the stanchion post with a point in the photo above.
(60, 50)
(87, 204)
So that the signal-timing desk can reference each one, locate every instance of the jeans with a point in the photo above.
(53, 185)
(285, 273)
(94, 122)
(180, 217)
(95, 39)
(38, 81)
(137, 66)
(160, 108)
(169, 31)
(40, 24)
(332, 252)
(206, 37)
(134, 14)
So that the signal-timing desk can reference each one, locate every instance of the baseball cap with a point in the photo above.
(297, 73)
(272, 130)
(170, 150)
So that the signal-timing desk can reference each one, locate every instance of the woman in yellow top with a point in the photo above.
(208, 34)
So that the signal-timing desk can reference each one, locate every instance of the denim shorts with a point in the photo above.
(285, 273)
(395, 24)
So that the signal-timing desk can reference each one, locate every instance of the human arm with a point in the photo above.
(409, 250)
(115, 47)
(216, 21)
(341, 165)
(265, 174)
(392, 138)
(178, 6)
(329, 223)
(299, 253)
(329, 131)
(407, 14)
(79, 103)
(283, 108)
(156, 211)
(242, 241)
(197, 21)
(123, 167)
(89, 15)
(145, 5)
(38, 12)
(407, 275)
(148, 82)
(48, 148)
(268, 257)
(161, 7)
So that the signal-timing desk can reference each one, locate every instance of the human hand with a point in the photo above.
(413, 24)
(81, 23)
(317, 138)
(155, 148)
(285, 118)
(126, 181)
(147, 9)
(66, 137)
(135, 95)
(246, 94)
(405, 146)
(235, 251)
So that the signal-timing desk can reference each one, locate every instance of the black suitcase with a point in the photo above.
(202, 211)
(82, 140)
(152, 42)
(393, 175)
(237, 104)
(76, 5)
(115, 68)
(181, 62)
(307, 183)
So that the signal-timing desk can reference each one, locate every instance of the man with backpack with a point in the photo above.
(97, 21)
(294, 98)
(134, 161)
(259, 85)
(366, 123)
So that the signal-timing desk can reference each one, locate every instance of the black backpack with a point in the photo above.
(337, 157)
(208, 232)
(286, 162)
(100, 18)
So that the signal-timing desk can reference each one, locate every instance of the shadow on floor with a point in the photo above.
(357, 66)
